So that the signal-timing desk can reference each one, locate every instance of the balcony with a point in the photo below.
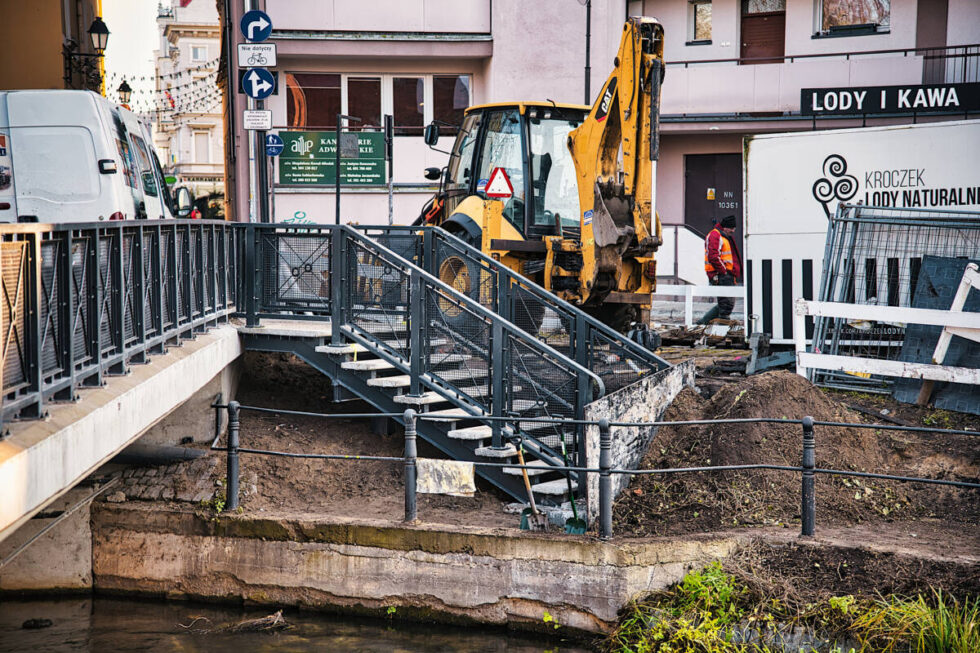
(745, 86)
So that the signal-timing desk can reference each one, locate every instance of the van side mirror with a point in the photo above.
(184, 201)
(433, 173)
(431, 135)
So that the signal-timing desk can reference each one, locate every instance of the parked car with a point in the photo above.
(73, 156)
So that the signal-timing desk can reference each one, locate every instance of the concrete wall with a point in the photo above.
(40, 460)
(484, 575)
(644, 401)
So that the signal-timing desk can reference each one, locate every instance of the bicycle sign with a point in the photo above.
(252, 55)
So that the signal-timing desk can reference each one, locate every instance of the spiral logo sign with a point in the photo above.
(835, 184)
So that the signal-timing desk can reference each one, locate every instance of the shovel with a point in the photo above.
(573, 526)
(531, 519)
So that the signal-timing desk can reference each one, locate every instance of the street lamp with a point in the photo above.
(125, 92)
(99, 34)
(86, 63)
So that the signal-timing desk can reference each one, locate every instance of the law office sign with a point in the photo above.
(309, 159)
(912, 98)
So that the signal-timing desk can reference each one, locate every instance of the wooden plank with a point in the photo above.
(889, 368)
(898, 314)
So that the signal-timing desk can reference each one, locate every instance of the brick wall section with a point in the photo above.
(644, 401)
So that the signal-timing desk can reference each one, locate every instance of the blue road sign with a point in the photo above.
(259, 83)
(273, 145)
(256, 25)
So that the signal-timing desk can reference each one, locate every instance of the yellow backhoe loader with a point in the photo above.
(562, 193)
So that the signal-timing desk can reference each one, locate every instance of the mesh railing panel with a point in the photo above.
(81, 324)
(377, 297)
(130, 298)
(14, 258)
(295, 271)
(150, 289)
(169, 285)
(105, 287)
(50, 300)
(874, 256)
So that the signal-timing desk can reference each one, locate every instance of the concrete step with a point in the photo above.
(489, 452)
(369, 365)
(355, 348)
(289, 328)
(461, 413)
(481, 432)
(435, 397)
(540, 467)
(553, 488)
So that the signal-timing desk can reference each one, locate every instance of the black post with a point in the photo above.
(231, 500)
(588, 45)
(248, 274)
(262, 169)
(336, 217)
(497, 399)
(416, 320)
(605, 480)
(411, 473)
(809, 509)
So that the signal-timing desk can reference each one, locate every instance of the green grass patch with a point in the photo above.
(710, 611)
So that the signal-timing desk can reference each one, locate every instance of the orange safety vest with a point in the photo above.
(724, 253)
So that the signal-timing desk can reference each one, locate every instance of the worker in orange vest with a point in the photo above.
(722, 262)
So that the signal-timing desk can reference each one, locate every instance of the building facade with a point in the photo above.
(735, 68)
(187, 127)
(45, 45)
(417, 60)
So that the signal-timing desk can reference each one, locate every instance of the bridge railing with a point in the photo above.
(82, 301)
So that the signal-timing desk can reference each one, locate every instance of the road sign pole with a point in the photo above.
(252, 146)
(336, 190)
(263, 171)
(389, 149)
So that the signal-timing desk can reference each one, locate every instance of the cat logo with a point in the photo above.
(607, 100)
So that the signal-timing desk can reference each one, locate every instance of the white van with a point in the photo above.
(73, 156)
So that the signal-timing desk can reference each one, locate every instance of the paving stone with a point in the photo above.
(168, 493)
(116, 497)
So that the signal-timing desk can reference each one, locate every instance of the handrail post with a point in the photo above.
(416, 322)
(249, 274)
(605, 480)
(808, 509)
(411, 472)
(234, 423)
(497, 383)
(583, 390)
(338, 274)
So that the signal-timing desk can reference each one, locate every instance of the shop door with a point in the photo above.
(712, 190)
(763, 37)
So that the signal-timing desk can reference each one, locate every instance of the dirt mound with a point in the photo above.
(687, 502)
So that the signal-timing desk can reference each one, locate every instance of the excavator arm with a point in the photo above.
(615, 150)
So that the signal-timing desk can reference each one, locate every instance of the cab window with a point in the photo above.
(461, 161)
(553, 179)
(146, 169)
(502, 148)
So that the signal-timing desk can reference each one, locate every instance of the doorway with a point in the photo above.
(712, 190)
(763, 32)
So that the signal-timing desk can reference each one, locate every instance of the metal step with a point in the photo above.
(553, 488)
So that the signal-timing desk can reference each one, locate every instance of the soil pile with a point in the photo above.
(691, 502)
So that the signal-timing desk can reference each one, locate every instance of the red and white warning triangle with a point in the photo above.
(499, 185)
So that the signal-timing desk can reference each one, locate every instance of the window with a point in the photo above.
(502, 149)
(553, 178)
(700, 22)
(408, 105)
(364, 102)
(199, 53)
(202, 147)
(313, 100)
(852, 17)
(461, 161)
(146, 169)
(450, 97)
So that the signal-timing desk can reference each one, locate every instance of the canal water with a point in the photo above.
(99, 624)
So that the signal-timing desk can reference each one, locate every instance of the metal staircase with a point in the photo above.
(492, 345)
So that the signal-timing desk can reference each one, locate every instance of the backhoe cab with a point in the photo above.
(562, 193)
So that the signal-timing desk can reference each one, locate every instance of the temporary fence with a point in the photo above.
(409, 418)
(874, 257)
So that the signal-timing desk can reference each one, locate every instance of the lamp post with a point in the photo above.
(86, 63)
(588, 46)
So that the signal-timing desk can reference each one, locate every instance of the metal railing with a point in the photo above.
(445, 341)
(84, 301)
(567, 328)
(955, 64)
(808, 469)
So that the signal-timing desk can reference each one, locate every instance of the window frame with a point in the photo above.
(207, 134)
(195, 47)
(387, 92)
(692, 14)
(869, 29)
